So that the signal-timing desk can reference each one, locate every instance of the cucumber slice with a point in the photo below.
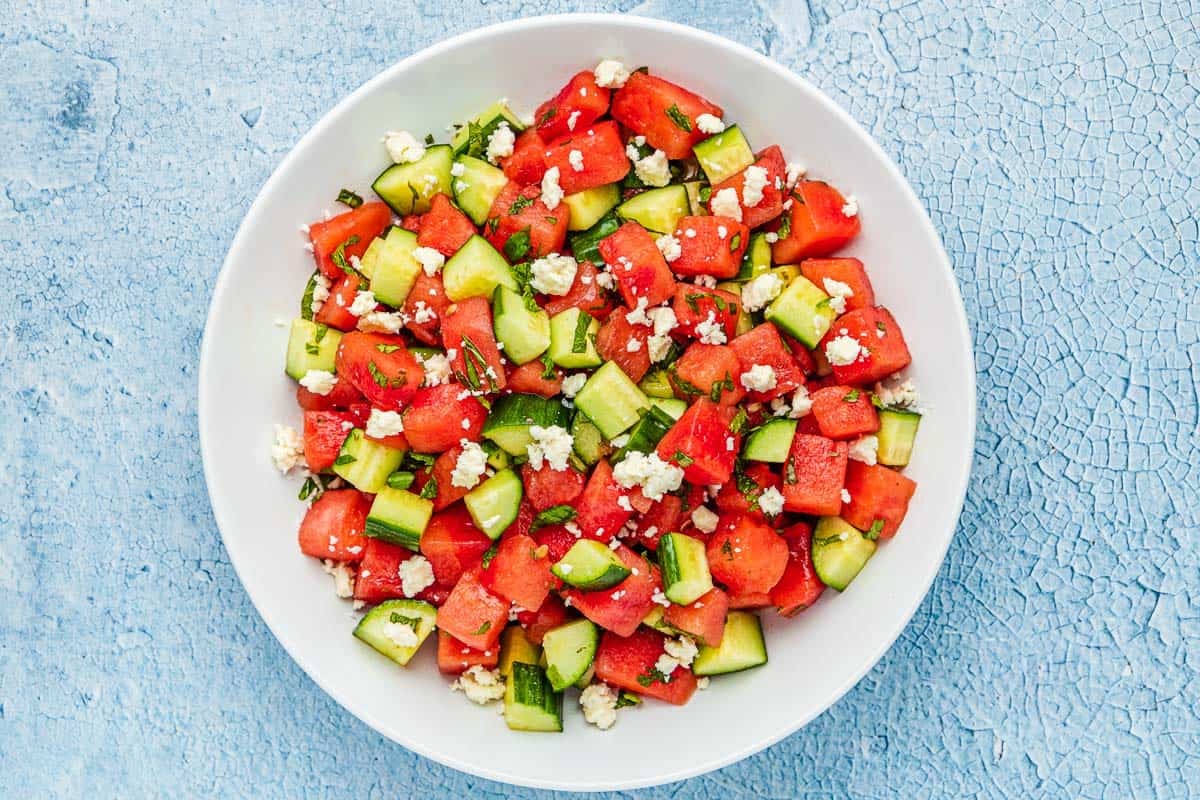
(573, 339)
(409, 188)
(696, 206)
(472, 138)
(684, 565)
(745, 322)
(496, 458)
(585, 245)
(802, 310)
(398, 516)
(657, 384)
(839, 551)
(590, 444)
(611, 401)
(477, 188)
(589, 206)
(515, 647)
(647, 433)
(591, 566)
(381, 627)
(395, 269)
(493, 504)
(530, 703)
(365, 464)
(569, 651)
(674, 408)
(311, 345)
(656, 620)
(897, 433)
(724, 155)
(742, 647)
(770, 442)
(787, 272)
(476, 270)
(657, 210)
(512, 415)
(757, 258)
(366, 264)
(523, 331)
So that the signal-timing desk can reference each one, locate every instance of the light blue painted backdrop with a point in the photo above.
(1056, 146)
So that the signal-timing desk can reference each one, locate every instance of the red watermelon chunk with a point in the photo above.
(629, 663)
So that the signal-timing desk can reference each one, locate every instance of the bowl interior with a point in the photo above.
(257, 509)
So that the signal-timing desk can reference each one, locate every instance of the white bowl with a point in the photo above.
(814, 658)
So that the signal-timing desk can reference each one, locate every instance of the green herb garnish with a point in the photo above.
(349, 198)
(679, 118)
(517, 246)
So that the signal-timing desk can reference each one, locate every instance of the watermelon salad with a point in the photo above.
(583, 393)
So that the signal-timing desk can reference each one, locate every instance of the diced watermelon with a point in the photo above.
(455, 657)
(336, 311)
(527, 164)
(877, 494)
(601, 153)
(585, 295)
(548, 616)
(547, 487)
(613, 343)
(629, 663)
(814, 474)
(443, 467)
(324, 432)
(755, 478)
(799, 587)
(365, 222)
(747, 555)
(816, 225)
(708, 370)
(883, 349)
(771, 204)
(343, 396)
(523, 524)
(637, 265)
(517, 209)
(576, 106)
(427, 289)
(467, 330)
(528, 379)
(557, 539)
(694, 304)
(433, 422)
(664, 516)
(699, 443)
(411, 223)
(623, 607)
(749, 600)
(849, 271)
(520, 571)
(601, 515)
(444, 227)
(710, 246)
(381, 367)
(762, 345)
(453, 544)
(843, 412)
(379, 574)
(333, 526)
(643, 103)
(472, 614)
(704, 619)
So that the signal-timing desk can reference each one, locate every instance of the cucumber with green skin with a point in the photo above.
(530, 702)
(590, 566)
(770, 442)
(366, 464)
(724, 155)
(803, 311)
(472, 139)
(685, 574)
(512, 416)
(522, 330)
(476, 270)
(569, 651)
(647, 433)
(839, 552)
(477, 187)
(409, 188)
(398, 516)
(311, 346)
(573, 339)
(589, 206)
(611, 400)
(495, 503)
(374, 627)
(742, 647)
(897, 434)
(657, 210)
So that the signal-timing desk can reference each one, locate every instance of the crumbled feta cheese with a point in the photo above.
(772, 237)
(845, 496)
(725, 204)
(480, 685)
(575, 157)
(400, 634)
(706, 281)
(722, 231)
(552, 193)
(705, 519)
(620, 441)
(865, 449)
(658, 347)
(364, 303)
(795, 171)
(702, 683)
(382, 322)
(319, 381)
(611, 74)
(625, 505)
(599, 704)
(760, 291)
(604, 279)
(659, 344)
(653, 170)
(850, 209)
(416, 575)
(647, 470)
(660, 598)
(665, 666)
(709, 124)
(500, 143)
(617, 595)
(458, 169)
(759, 378)
(551, 445)
(638, 315)
(422, 313)
(553, 274)
(321, 287)
(683, 650)
(770, 502)
(573, 383)
(288, 450)
(897, 392)
(669, 246)
(343, 576)
(710, 331)
(403, 147)
(838, 293)
(470, 466)
(382, 424)
(843, 350)
(437, 369)
(753, 185)
(430, 260)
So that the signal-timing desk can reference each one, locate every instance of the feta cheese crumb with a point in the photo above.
(770, 502)
(458, 169)
(625, 505)
(319, 381)
(647, 470)
(725, 204)
(288, 450)
(897, 392)
(665, 666)
(382, 321)
(638, 315)
(573, 383)
(709, 124)
(400, 634)
(710, 331)
(760, 291)
(416, 575)
(500, 143)
(843, 350)
(553, 274)
(403, 147)
(620, 441)
(321, 287)
(669, 246)
(364, 303)
(752, 187)
(660, 598)
(575, 157)
(683, 650)
(437, 369)
(653, 170)
(772, 237)
(422, 313)
(430, 260)
(702, 683)
(552, 193)
(759, 378)
(845, 496)
(382, 424)
(865, 449)
(705, 519)
(850, 209)
(795, 171)
(633, 346)
(838, 293)
(470, 466)
(611, 74)
(343, 576)
(551, 445)
(480, 685)
(599, 704)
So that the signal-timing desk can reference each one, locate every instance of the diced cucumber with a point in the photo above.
(478, 187)
(897, 433)
(398, 516)
(839, 551)
(569, 651)
(770, 442)
(497, 458)
(379, 627)
(589, 206)
(590, 444)
(757, 258)
(587, 676)
(311, 345)
(724, 155)
(695, 190)
(366, 264)
(685, 573)
(591, 566)
(611, 401)
(409, 188)
(493, 504)
(512, 415)
(395, 269)
(515, 647)
(802, 310)
(647, 433)
(472, 138)
(585, 245)
(657, 210)
(476, 270)
(657, 384)
(366, 464)
(656, 620)
(530, 702)
(573, 339)
(524, 331)
(672, 406)
(745, 322)
(742, 647)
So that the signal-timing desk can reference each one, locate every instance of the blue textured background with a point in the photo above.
(1057, 147)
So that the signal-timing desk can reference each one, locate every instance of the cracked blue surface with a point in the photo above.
(1057, 147)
